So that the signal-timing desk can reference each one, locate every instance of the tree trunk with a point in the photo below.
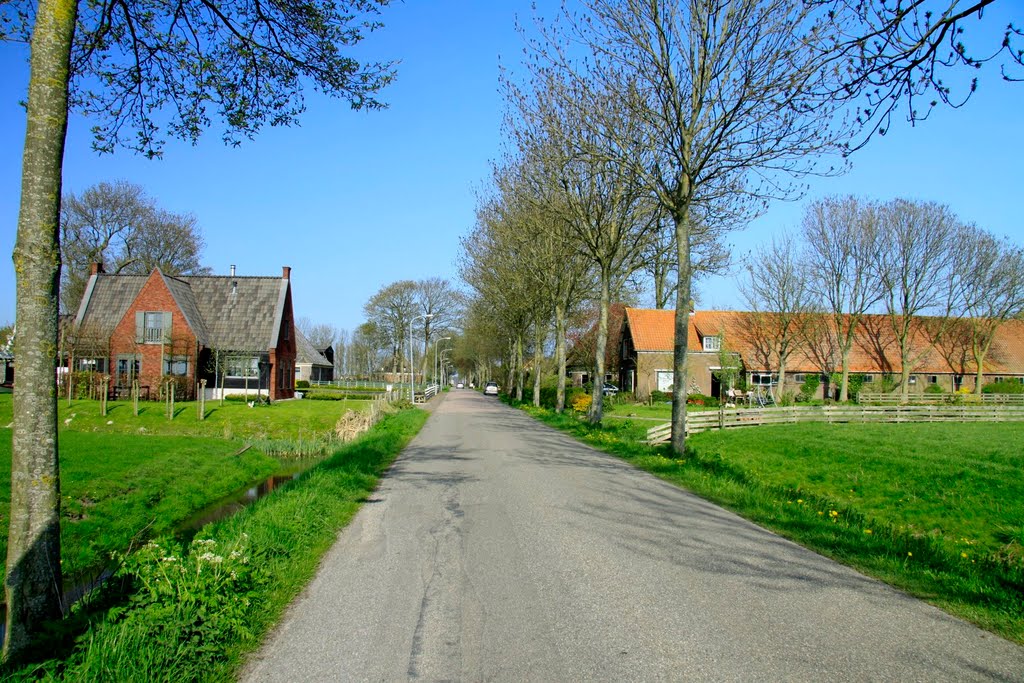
(34, 580)
(520, 369)
(560, 357)
(682, 329)
(538, 358)
(597, 394)
(844, 384)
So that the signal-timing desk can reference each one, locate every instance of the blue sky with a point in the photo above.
(355, 200)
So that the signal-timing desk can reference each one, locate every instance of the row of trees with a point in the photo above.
(938, 282)
(644, 130)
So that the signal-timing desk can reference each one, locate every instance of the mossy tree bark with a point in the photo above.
(33, 586)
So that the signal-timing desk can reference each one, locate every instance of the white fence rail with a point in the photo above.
(754, 417)
(865, 397)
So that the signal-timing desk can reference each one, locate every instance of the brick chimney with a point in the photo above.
(95, 268)
(286, 273)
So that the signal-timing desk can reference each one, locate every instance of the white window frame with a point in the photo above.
(712, 342)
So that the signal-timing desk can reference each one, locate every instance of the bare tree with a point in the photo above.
(780, 298)
(841, 236)
(899, 54)
(392, 310)
(914, 262)
(731, 101)
(990, 284)
(436, 298)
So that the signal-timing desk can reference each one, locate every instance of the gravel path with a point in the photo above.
(498, 549)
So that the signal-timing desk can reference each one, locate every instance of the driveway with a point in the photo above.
(497, 549)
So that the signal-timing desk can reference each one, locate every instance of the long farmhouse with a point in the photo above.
(645, 360)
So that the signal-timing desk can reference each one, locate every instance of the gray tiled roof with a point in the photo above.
(306, 353)
(225, 312)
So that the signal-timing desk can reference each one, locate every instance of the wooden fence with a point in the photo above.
(754, 417)
(869, 398)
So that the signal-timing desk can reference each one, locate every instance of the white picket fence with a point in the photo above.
(754, 417)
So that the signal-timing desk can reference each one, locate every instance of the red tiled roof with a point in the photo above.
(874, 348)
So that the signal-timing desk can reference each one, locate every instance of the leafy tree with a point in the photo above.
(140, 70)
(392, 310)
(117, 225)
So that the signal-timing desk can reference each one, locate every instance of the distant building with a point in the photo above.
(236, 332)
(312, 364)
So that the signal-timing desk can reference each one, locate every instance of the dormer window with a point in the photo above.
(712, 343)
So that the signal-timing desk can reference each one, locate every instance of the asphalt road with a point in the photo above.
(498, 549)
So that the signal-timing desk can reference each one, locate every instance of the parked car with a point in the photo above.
(609, 389)
(491, 389)
(459, 385)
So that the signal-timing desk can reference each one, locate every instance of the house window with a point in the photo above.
(176, 366)
(92, 365)
(912, 379)
(799, 378)
(245, 366)
(712, 343)
(128, 368)
(933, 379)
(154, 327)
(764, 379)
(665, 378)
(868, 379)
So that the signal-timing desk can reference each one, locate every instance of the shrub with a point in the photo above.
(1004, 387)
(809, 388)
(302, 384)
(935, 389)
(701, 400)
(660, 396)
(626, 397)
(581, 402)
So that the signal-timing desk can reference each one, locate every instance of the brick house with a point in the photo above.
(236, 332)
(648, 336)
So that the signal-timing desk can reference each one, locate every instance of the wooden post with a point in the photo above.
(202, 399)
(170, 400)
(135, 397)
(103, 399)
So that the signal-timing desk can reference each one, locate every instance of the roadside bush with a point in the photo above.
(701, 400)
(581, 402)
(809, 388)
(661, 397)
(1004, 387)
(935, 389)
(626, 397)
(302, 384)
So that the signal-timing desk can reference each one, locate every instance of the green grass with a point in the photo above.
(198, 625)
(116, 490)
(936, 510)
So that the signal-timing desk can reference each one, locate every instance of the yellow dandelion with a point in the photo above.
(820, 512)
(867, 531)
(799, 500)
(963, 555)
(910, 554)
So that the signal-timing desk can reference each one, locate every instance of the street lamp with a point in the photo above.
(436, 344)
(412, 371)
(444, 360)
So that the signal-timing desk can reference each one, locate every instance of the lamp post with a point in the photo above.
(443, 360)
(436, 344)
(412, 369)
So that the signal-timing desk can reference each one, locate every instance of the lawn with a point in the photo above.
(936, 510)
(116, 489)
(234, 419)
(960, 484)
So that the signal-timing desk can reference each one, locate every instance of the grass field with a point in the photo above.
(114, 491)
(934, 509)
(191, 613)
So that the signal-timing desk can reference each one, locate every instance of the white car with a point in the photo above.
(459, 385)
(491, 389)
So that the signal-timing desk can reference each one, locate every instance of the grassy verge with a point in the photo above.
(193, 613)
(115, 490)
(233, 420)
(935, 510)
